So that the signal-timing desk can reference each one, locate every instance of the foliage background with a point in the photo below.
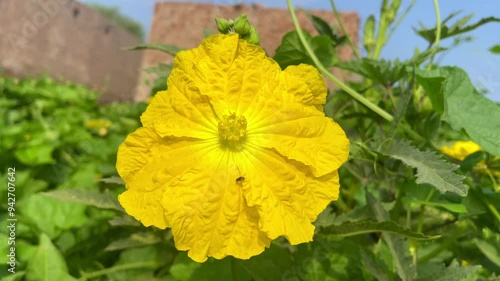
(406, 212)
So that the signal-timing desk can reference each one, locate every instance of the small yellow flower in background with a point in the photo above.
(234, 154)
(461, 149)
(100, 125)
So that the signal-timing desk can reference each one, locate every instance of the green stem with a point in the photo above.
(400, 19)
(86, 276)
(341, 24)
(438, 33)
(438, 24)
(382, 29)
(329, 75)
(422, 210)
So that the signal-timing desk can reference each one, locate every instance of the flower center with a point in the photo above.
(232, 128)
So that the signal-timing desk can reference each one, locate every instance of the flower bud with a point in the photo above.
(242, 25)
(369, 34)
(252, 37)
(222, 25)
(393, 10)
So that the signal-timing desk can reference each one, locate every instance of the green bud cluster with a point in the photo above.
(241, 25)
(369, 34)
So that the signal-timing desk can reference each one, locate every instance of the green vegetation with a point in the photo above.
(405, 210)
(124, 21)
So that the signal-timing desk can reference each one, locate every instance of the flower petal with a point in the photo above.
(301, 133)
(286, 195)
(208, 213)
(230, 72)
(147, 163)
(181, 111)
(305, 85)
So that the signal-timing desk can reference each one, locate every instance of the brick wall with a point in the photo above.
(185, 25)
(70, 41)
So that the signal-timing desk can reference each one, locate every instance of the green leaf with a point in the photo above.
(495, 49)
(292, 52)
(431, 168)
(112, 180)
(375, 266)
(14, 277)
(465, 108)
(125, 220)
(51, 215)
(326, 258)
(161, 69)
(347, 229)
(453, 207)
(138, 264)
(383, 72)
(456, 29)
(185, 269)
(323, 28)
(34, 155)
(453, 272)
(104, 200)
(433, 87)
(490, 249)
(47, 264)
(404, 266)
(472, 160)
(137, 239)
(168, 49)
(271, 265)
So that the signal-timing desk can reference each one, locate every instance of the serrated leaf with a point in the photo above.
(381, 71)
(292, 52)
(104, 200)
(458, 28)
(431, 168)
(47, 264)
(464, 107)
(135, 240)
(327, 218)
(356, 228)
(168, 49)
(452, 273)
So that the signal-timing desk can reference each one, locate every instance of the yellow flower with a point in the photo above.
(461, 149)
(100, 126)
(234, 154)
(97, 124)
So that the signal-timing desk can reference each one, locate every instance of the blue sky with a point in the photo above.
(483, 67)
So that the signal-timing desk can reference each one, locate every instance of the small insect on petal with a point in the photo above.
(240, 180)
